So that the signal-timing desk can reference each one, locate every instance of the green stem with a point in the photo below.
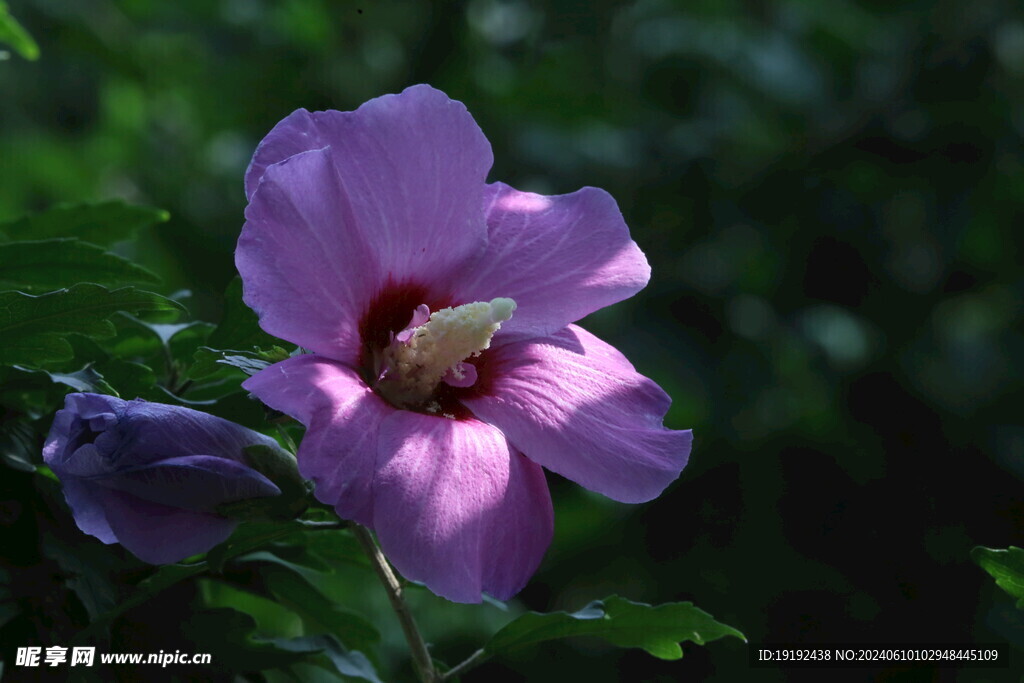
(478, 657)
(420, 654)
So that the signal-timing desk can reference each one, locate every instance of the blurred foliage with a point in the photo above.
(12, 33)
(826, 193)
(1006, 567)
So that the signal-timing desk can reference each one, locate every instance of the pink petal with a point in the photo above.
(419, 316)
(394, 195)
(293, 134)
(560, 258)
(307, 273)
(458, 509)
(342, 417)
(575, 405)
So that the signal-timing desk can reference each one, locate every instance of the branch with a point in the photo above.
(420, 655)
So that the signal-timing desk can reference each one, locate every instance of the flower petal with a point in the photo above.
(396, 193)
(342, 417)
(78, 422)
(149, 432)
(293, 134)
(159, 534)
(194, 482)
(575, 405)
(87, 511)
(457, 508)
(560, 258)
(306, 268)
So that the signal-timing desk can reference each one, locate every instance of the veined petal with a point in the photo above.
(465, 513)
(405, 203)
(575, 405)
(342, 417)
(159, 534)
(193, 482)
(559, 257)
(307, 267)
(149, 432)
(293, 134)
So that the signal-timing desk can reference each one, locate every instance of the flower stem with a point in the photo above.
(477, 657)
(420, 655)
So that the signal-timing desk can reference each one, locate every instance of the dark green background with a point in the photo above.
(829, 194)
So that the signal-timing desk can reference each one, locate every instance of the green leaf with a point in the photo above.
(12, 33)
(623, 623)
(101, 223)
(248, 537)
(90, 568)
(239, 327)
(1006, 567)
(33, 327)
(56, 263)
(350, 664)
(293, 586)
(232, 635)
(129, 379)
(209, 361)
(86, 379)
(235, 636)
(326, 548)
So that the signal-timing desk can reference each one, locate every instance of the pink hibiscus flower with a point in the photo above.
(444, 371)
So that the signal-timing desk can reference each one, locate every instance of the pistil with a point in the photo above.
(420, 358)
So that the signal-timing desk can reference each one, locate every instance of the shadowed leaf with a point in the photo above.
(658, 630)
(12, 33)
(56, 263)
(33, 327)
(101, 223)
(1006, 567)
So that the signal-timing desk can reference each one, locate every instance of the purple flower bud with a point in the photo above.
(150, 476)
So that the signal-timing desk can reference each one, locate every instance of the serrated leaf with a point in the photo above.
(101, 223)
(657, 630)
(292, 585)
(208, 361)
(12, 33)
(1006, 567)
(56, 263)
(32, 327)
(167, 332)
(86, 379)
